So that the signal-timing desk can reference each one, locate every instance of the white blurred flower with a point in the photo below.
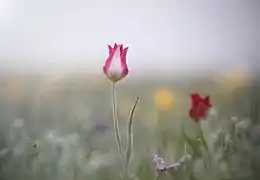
(4, 151)
(242, 124)
(18, 123)
(51, 136)
(234, 119)
(99, 160)
(213, 112)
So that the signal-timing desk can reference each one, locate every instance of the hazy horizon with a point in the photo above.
(163, 36)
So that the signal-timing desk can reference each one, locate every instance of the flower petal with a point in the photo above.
(199, 107)
(110, 50)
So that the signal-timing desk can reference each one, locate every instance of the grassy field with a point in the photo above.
(62, 129)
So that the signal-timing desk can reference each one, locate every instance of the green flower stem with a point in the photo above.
(116, 124)
(185, 154)
(205, 145)
(203, 140)
(185, 148)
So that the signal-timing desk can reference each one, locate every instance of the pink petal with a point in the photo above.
(115, 46)
(124, 52)
(121, 48)
(110, 49)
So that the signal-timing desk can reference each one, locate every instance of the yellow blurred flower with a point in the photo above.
(164, 99)
(235, 78)
(238, 77)
(50, 85)
(15, 89)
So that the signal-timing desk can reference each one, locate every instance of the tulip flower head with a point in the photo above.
(115, 67)
(199, 107)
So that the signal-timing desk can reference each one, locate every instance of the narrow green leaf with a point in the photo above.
(129, 146)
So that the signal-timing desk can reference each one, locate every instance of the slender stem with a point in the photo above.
(116, 123)
(205, 145)
(158, 176)
(185, 148)
(203, 140)
(185, 154)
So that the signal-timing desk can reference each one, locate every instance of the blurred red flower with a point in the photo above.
(199, 107)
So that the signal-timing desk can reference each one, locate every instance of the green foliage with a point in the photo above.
(71, 135)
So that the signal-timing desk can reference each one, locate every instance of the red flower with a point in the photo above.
(199, 107)
(115, 67)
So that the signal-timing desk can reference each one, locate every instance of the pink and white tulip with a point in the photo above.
(115, 66)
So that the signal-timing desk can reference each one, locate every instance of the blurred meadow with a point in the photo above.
(61, 128)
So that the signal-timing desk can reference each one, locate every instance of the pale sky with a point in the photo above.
(166, 35)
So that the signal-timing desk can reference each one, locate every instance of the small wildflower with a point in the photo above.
(160, 165)
(199, 107)
(115, 67)
(159, 162)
